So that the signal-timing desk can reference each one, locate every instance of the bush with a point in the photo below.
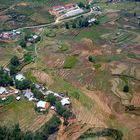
(126, 88)
(14, 61)
(92, 59)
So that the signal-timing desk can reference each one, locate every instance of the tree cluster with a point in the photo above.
(61, 110)
(15, 133)
(14, 63)
(5, 79)
(49, 128)
(37, 94)
(80, 23)
(22, 85)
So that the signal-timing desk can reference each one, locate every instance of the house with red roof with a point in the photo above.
(61, 10)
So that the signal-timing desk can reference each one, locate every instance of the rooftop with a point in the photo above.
(20, 77)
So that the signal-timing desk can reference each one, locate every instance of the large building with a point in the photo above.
(66, 10)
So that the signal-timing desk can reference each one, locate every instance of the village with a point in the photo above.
(29, 95)
(57, 63)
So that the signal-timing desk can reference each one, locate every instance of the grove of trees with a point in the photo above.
(5, 79)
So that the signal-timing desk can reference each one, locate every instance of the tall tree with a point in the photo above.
(14, 61)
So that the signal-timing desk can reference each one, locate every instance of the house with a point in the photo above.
(40, 87)
(93, 20)
(16, 91)
(96, 8)
(20, 77)
(4, 98)
(6, 71)
(65, 101)
(66, 10)
(48, 92)
(73, 12)
(3, 90)
(42, 104)
(18, 98)
(90, 1)
(28, 94)
(52, 107)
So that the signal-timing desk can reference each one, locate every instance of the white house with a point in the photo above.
(3, 90)
(19, 77)
(65, 101)
(28, 94)
(93, 20)
(18, 98)
(48, 92)
(3, 99)
(42, 104)
(74, 12)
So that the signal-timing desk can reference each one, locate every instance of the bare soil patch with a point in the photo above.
(43, 77)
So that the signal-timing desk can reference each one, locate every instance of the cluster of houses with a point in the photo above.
(33, 38)
(42, 105)
(9, 35)
(65, 11)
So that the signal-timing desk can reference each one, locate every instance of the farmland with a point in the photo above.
(93, 65)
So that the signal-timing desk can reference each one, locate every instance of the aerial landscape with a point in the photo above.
(69, 69)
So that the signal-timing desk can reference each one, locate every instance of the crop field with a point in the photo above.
(62, 63)
(22, 112)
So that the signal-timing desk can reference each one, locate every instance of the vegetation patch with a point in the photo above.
(70, 62)
(95, 59)
(63, 86)
(107, 132)
(97, 66)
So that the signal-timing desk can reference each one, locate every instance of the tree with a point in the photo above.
(38, 94)
(13, 70)
(67, 25)
(126, 88)
(22, 85)
(85, 23)
(51, 99)
(92, 59)
(80, 23)
(81, 5)
(73, 25)
(14, 61)
(5, 79)
(87, 6)
(59, 108)
(23, 44)
(67, 114)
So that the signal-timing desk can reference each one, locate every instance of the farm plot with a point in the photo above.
(22, 112)
(121, 37)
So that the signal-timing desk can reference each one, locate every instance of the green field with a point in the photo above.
(70, 62)
(14, 112)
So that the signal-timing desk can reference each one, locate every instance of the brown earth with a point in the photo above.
(43, 77)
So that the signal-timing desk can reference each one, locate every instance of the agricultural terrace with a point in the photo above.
(23, 113)
(96, 65)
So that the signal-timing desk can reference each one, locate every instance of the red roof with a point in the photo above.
(68, 5)
(57, 7)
